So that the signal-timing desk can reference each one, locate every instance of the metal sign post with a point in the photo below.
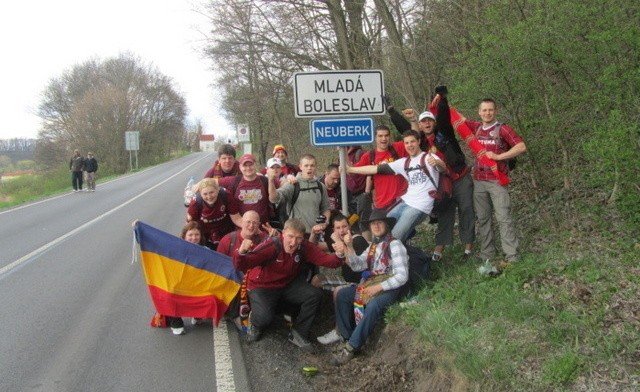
(339, 94)
(132, 143)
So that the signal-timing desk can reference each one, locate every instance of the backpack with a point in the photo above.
(297, 190)
(443, 194)
(419, 269)
(511, 163)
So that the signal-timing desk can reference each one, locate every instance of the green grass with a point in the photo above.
(33, 187)
(540, 325)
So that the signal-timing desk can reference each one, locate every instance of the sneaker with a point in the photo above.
(75, 190)
(196, 321)
(298, 340)
(330, 337)
(178, 331)
(344, 356)
(253, 334)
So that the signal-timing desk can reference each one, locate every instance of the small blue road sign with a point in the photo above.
(341, 131)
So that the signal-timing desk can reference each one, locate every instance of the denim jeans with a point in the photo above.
(406, 219)
(373, 312)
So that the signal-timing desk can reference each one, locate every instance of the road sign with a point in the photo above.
(338, 93)
(132, 141)
(341, 131)
(243, 133)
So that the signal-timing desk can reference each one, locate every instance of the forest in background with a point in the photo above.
(565, 74)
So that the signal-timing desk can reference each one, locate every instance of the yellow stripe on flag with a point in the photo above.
(179, 278)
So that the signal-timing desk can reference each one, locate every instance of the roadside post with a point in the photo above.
(132, 143)
(337, 97)
(244, 137)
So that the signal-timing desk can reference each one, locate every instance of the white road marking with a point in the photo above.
(58, 240)
(222, 359)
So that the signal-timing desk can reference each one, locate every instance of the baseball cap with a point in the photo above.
(279, 147)
(246, 158)
(274, 161)
(426, 114)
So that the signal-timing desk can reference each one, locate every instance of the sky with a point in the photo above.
(40, 40)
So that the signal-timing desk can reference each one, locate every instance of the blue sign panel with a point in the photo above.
(341, 131)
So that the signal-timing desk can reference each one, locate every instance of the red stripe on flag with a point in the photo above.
(184, 306)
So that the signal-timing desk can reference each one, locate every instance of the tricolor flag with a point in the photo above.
(185, 279)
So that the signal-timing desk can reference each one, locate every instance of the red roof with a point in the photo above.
(207, 138)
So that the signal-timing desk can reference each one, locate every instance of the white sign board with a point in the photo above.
(132, 141)
(243, 133)
(338, 93)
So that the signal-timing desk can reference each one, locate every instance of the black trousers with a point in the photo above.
(76, 180)
(298, 292)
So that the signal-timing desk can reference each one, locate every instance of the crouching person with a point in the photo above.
(274, 276)
(360, 307)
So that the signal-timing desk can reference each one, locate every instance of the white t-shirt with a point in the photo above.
(417, 195)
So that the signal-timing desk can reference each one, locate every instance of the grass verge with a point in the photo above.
(555, 320)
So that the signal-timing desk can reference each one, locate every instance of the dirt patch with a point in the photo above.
(397, 361)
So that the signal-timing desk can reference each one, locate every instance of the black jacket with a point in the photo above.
(90, 165)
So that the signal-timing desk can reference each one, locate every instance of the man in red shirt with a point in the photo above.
(229, 245)
(226, 165)
(386, 189)
(501, 143)
(273, 275)
(248, 192)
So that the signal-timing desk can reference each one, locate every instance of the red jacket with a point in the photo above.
(272, 268)
(217, 172)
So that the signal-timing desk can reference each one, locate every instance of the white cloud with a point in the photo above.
(41, 39)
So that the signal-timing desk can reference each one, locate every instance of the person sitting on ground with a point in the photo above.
(341, 229)
(277, 277)
(191, 233)
(209, 209)
(239, 308)
(422, 173)
(387, 269)
(226, 165)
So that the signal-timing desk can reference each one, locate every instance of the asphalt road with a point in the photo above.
(75, 311)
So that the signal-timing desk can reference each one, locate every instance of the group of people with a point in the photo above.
(280, 224)
(81, 168)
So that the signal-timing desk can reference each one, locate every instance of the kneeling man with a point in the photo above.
(275, 276)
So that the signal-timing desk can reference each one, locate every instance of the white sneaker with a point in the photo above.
(330, 337)
(178, 331)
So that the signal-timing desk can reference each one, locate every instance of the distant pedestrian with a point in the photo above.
(76, 166)
(91, 167)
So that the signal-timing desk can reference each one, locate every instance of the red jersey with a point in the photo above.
(495, 140)
(248, 196)
(217, 172)
(387, 188)
(214, 219)
(229, 245)
(272, 268)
